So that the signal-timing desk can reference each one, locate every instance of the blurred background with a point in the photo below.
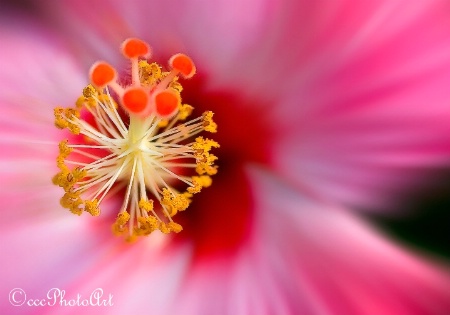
(427, 225)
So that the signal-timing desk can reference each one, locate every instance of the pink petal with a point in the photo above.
(327, 261)
(73, 255)
(213, 33)
(38, 74)
(367, 116)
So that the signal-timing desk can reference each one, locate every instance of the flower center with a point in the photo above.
(146, 152)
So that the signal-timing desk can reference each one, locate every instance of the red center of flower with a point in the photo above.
(221, 220)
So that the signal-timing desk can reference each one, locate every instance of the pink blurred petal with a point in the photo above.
(38, 73)
(213, 33)
(372, 116)
(75, 256)
(336, 263)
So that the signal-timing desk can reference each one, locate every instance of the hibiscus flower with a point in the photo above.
(323, 109)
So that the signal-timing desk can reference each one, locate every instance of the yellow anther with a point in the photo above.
(149, 73)
(146, 225)
(174, 227)
(146, 205)
(205, 160)
(64, 152)
(91, 206)
(88, 97)
(131, 238)
(196, 188)
(118, 229)
(78, 174)
(64, 149)
(204, 144)
(107, 100)
(65, 180)
(163, 123)
(199, 182)
(55, 179)
(206, 181)
(58, 177)
(69, 199)
(80, 102)
(76, 211)
(208, 122)
(204, 168)
(64, 119)
(181, 202)
(73, 202)
(176, 86)
(75, 207)
(164, 228)
(187, 195)
(185, 111)
(211, 159)
(122, 218)
(60, 120)
(60, 161)
(174, 202)
(89, 91)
